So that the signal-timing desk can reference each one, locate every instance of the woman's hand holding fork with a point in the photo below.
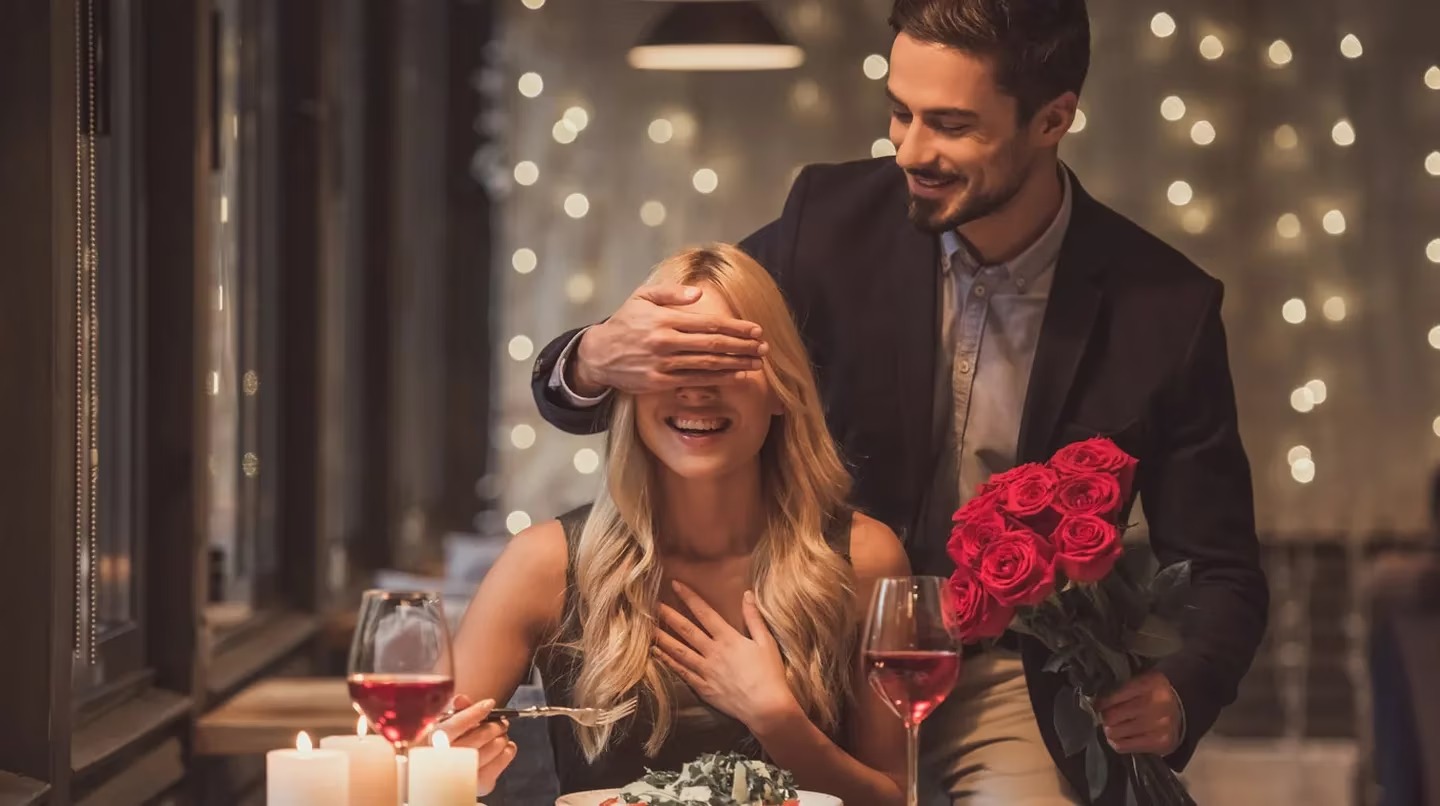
(468, 727)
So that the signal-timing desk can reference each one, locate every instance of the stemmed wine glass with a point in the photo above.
(401, 674)
(912, 659)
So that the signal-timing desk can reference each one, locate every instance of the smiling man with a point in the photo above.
(969, 308)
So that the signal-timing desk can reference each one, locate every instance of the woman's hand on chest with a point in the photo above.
(738, 674)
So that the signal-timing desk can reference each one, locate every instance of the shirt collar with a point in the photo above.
(1027, 266)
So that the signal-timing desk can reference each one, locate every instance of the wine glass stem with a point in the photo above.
(402, 773)
(912, 760)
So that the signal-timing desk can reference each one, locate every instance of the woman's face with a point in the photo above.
(705, 432)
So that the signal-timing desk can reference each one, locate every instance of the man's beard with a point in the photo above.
(929, 214)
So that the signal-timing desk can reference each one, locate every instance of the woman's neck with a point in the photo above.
(710, 519)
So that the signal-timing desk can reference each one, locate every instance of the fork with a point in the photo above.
(588, 717)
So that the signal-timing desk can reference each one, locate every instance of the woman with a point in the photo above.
(717, 577)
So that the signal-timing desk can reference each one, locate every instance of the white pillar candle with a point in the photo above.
(306, 776)
(441, 775)
(372, 766)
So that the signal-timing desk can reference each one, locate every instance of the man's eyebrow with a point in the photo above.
(948, 112)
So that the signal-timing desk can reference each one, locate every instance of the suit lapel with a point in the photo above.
(1065, 330)
(914, 311)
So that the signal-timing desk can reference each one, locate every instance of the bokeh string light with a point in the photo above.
(1180, 193)
(1350, 47)
(1202, 133)
(1279, 53)
(1211, 47)
(1162, 25)
(1172, 108)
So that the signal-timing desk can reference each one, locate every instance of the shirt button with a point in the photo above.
(964, 367)
(979, 290)
(1020, 282)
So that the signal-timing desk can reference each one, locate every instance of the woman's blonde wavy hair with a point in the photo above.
(804, 589)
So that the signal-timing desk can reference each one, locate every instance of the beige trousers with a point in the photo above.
(982, 746)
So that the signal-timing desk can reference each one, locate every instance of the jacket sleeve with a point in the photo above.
(1200, 505)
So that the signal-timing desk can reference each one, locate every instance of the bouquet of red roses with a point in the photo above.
(1038, 550)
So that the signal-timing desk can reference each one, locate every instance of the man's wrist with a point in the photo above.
(580, 375)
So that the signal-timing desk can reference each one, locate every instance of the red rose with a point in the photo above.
(979, 505)
(1000, 481)
(1027, 492)
(1086, 547)
(976, 614)
(1087, 494)
(975, 527)
(1098, 455)
(1016, 568)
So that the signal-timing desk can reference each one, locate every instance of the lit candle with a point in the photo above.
(441, 775)
(372, 766)
(306, 776)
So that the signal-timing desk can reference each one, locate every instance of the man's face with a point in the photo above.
(957, 135)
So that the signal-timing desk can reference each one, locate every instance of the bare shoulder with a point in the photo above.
(875, 551)
(526, 586)
(538, 555)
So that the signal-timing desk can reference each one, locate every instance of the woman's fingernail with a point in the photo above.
(487, 703)
(511, 748)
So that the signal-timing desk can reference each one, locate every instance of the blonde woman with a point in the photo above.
(719, 577)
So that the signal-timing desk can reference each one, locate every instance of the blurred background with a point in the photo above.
(276, 272)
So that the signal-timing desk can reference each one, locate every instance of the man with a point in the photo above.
(968, 308)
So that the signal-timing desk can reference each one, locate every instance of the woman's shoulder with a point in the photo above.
(538, 553)
(875, 551)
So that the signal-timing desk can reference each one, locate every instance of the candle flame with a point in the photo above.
(361, 727)
(303, 743)
(440, 739)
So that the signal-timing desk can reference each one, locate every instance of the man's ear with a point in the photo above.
(1055, 118)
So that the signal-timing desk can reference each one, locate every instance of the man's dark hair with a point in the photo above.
(1040, 49)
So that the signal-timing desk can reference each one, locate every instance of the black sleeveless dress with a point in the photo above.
(698, 728)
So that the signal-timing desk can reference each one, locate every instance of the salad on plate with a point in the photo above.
(714, 779)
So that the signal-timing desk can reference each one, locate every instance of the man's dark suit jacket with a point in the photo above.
(1131, 347)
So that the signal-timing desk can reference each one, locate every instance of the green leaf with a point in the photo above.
(1128, 600)
(1097, 768)
(1113, 661)
(1058, 660)
(1073, 726)
(1172, 577)
(1170, 589)
(1117, 662)
(1156, 638)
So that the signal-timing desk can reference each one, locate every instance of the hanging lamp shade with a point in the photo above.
(715, 35)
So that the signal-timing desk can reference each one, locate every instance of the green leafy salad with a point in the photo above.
(714, 779)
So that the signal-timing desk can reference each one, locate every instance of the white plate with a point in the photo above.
(599, 796)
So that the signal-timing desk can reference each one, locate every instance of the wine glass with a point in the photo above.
(911, 657)
(401, 674)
